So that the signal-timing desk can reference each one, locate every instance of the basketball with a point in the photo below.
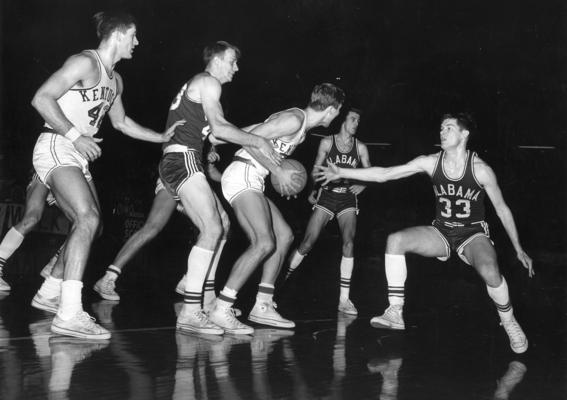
(300, 177)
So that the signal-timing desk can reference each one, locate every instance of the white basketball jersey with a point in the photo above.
(284, 145)
(86, 107)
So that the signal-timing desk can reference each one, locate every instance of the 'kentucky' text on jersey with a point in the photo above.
(86, 107)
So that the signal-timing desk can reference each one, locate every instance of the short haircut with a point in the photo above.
(325, 95)
(108, 22)
(218, 48)
(464, 120)
(355, 110)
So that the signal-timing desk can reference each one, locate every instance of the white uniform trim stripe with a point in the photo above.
(447, 246)
(52, 149)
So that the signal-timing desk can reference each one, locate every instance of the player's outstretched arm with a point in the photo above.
(487, 179)
(377, 174)
(210, 91)
(121, 122)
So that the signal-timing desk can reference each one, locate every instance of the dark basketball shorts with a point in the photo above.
(176, 168)
(457, 236)
(336, 203)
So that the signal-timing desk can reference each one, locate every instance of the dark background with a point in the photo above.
(405, 63)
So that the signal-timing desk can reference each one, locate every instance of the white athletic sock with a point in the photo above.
(197, 265)
(209, 288)
(227, 297)
(9, 245)
(346, 273)
(501, 298)
(396, 274)
(71, 302)
(50, 288)
(112, 272)
(265, 292)
(294, 260)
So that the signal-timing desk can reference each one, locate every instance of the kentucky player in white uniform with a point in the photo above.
(73, 102)
(270, 236)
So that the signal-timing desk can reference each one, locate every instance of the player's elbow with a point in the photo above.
(119, 125)
(38, 101)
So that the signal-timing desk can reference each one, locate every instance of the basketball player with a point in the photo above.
(180, 169)
(163, 206)
(270, 236)
(337, 199)
(73, 102)
(460, 181)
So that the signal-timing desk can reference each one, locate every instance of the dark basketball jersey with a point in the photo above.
(196, 128)
(349, 159)
(461, 200)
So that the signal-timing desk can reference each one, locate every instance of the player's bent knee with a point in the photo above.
(395, 243)
(212, 231)
(490, 273)
(264, 245)
(286, 238)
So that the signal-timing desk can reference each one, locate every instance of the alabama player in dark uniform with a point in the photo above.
(460, 181)
(181, 170)
(337, 199)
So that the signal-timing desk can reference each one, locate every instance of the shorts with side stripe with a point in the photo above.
(160, 186)
(457, 237)
(240, 177)
(336, 204)
(177, 167)
(53, 151)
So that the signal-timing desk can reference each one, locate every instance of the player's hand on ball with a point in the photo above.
(167, 135)
(289, 182)
(326, 174)
(526, 262)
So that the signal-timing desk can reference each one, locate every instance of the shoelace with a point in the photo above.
(87, 319)
(201, 317)
(393, 312)
(232, 317)
(513, 329)
(109, 285)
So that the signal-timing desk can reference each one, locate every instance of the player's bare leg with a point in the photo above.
(318, 220)
(253, 213)
(35, 204)
(264, 311)
(163, 207)
(482, 256)
(199, 203)
(79, 202)
(421, 240)
(347, 227)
